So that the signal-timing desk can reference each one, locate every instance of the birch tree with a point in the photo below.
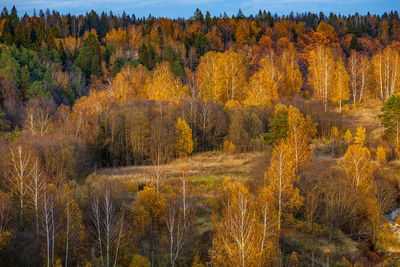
(354, 72)
(48, 222)
(386, 72)
(280, 178)
(359, 74)
(341, 90)
(19, 170)
(301, 130)
(244, 236)
(38, 121)
(357, 166)
(36, 186)
(107, 227)
(177, 221)
(73, 230)
(321, 73)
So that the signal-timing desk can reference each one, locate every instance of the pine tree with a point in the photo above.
(390, 119)
(279, 126)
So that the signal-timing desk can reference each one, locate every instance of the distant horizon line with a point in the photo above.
(120, 13)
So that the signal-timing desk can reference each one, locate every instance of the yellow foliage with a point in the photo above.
(222, 76)
(139, 261)
(386, 238)
(245, 234)
(386, 72)
(229, 147)
(184, 141)
(197, 262)
(149, 209)
(117, 38)
(341, 89)
(348, 137)
(262, 89)
(205, 76)
(357, 166)
(58, 263)
(129, 83)
(231, 76)
(214, 39)
(293, 259)
(321, 73)
(335, 133)
(325, 34)
(92, 31)
(135, 37)
(85, 112)
(164, 85)
(242, 32)
(232, 105)
(301, 130)
(292, 80)
(280, 179)
(71, 44)
(132, 186)
(359, 139)
(381, 155)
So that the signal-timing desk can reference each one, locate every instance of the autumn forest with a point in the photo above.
(258, 140)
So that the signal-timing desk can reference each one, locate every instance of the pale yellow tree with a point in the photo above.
(341, 90)
(231, 76)
(321, 68)
(245, 235)
(359, 73)
(365, 77)
(292, 80)
(164, 85)
(118, 38)
(357, 165)
(205, 76)
(184, 140)
(386, 66)
(301, 130)
(360, 136)
(280, 179)
(18, 170)
(135, 37)
(38, 121)
(129, 83)
(348, 137)
(262, 89)
(358, 169)
(283, 70)
(381, 155)
(85, 112)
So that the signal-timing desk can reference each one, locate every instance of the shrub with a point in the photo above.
(381, 155)
(229, 147)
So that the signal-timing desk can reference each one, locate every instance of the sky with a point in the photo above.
(186, 8)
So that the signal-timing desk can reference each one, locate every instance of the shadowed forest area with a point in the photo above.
(258, 140)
